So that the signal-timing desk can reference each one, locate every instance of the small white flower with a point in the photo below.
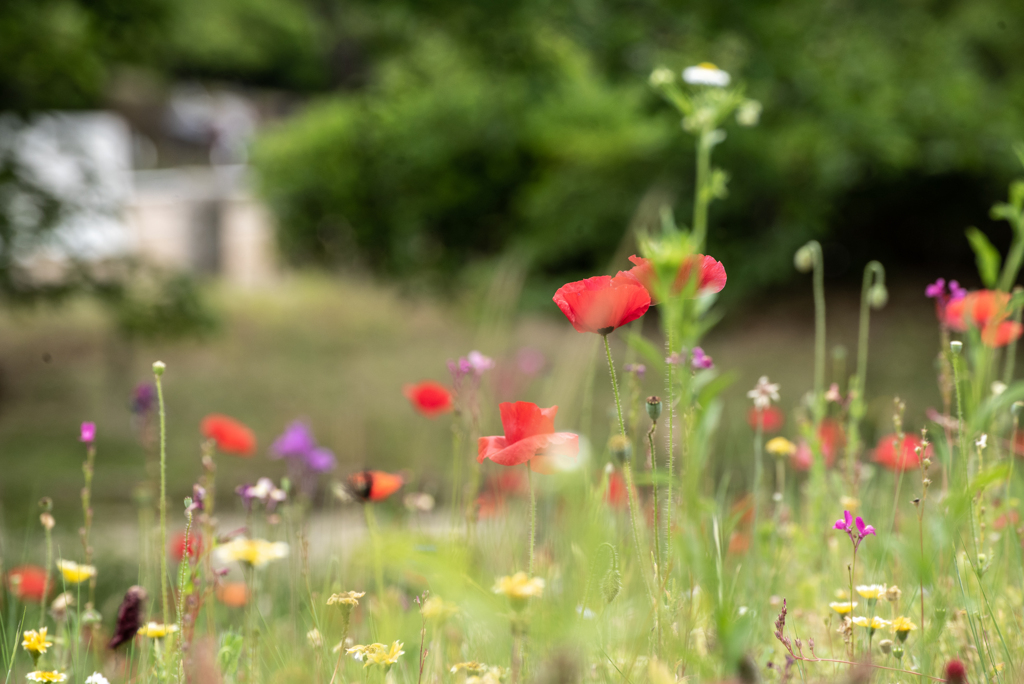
(764, 393)
(982, 441)
(706, 73)
(96, 678)
(998, 388)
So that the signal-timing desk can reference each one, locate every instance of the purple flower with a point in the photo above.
(855, 530)
(479, 363)
(143, 397)
(936, 289)
(198, 499)
(295, 442)
(637, 368)
(88, 433)
(700, 360)
(955, 291)
(320, 460)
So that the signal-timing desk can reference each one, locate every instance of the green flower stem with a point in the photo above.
(615, 385)
(87, 469)
(163, 497)
(670, 405)
(182, 576)
(700, 204)
(758, 475)
(819, 330)
(963, 445)
(627, 470)
(1011, 349)
(46, 575)
(533, 516)
(657, 508)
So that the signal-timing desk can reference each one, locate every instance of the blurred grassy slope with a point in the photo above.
(337, 351)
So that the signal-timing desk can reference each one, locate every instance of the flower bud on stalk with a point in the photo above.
(654, 407)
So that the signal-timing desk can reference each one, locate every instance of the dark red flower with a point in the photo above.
(710, 276)
(772, 418)
(231, 436)
(27, 582)
(956, 673)
(832, 438)
(602, 303)
(907, 459)
(429, 398)
(374, 485)
(529, 432)
(176, 546)
(987, 311)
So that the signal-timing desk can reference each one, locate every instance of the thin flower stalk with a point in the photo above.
(533, 516)
(158, 371)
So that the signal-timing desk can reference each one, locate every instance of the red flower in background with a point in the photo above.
(231, 436)
(429, 398)
(176, 546)
(529, 433)
(832, 437)
(772, 418)
(27, 582)
(710, 277)
(374, 485)
(616, 496)
(987, 311)
(602, 303)
(906, 459)
(233, 594)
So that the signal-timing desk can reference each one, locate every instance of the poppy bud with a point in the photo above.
(621, 448)
(956, 346)
(158, 368)
(878, 296)
(804, 259)
(612, 582)
(654, 407)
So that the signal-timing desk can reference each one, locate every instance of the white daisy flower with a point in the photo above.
(706, 73)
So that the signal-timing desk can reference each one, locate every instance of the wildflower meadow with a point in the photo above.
(597, 545)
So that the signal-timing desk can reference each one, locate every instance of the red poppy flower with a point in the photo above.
(27, 582)
(907, 458)
(374, 485)
(987, 311)
(429, 398)
(616, 496)
(231, 436)
(711, 277)
(772, 418)
(176, 546)
(602, 303)
(832, 437)
(529, 432)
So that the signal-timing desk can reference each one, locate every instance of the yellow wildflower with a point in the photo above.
(872, 592)
(46, 676)
(843, 608)
(35, 642)
(346, 598)
(874, 623)
(903, 626)
(155, 630)
(254, 552)
(437, 608)
(519, 586)
(780, 446)
(471, 667)
(75, 573)
(492, 675)
(386, 657)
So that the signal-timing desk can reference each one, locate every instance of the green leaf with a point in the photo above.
(986, 256)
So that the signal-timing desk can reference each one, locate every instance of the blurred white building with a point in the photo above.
(200, 219)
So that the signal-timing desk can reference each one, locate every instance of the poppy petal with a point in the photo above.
(522, 419)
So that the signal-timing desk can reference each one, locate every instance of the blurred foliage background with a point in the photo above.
(434, 133)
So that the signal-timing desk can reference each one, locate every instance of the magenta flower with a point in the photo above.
(479, 363)
(88, 433)
(855, 529)
(700, 360)
(936, 289)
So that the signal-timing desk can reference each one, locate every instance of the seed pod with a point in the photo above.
(654, 407)
(611, 584)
